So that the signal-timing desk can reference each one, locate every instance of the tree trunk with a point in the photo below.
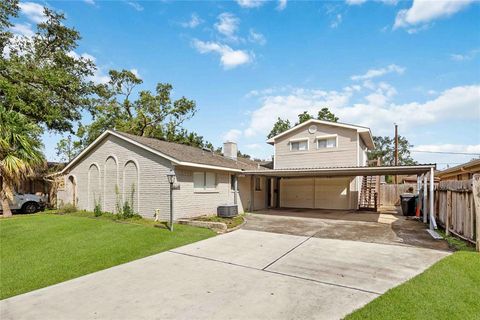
(4, 199)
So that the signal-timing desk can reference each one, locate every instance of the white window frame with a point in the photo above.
(204, 188)
(326, 137)
(291, 141)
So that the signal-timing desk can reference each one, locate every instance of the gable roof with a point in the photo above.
(364, 132)
(471, 166)
(178, 154)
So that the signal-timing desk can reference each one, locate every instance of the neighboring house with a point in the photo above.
(317, 164)
(461, 172)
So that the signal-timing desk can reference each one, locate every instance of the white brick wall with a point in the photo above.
(121, 164)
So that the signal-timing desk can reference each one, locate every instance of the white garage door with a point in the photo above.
(296, 193)
(321, 193)
(332, 193)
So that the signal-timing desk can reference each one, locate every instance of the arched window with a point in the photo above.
(110, 185)
(94, 186)
(131, 184)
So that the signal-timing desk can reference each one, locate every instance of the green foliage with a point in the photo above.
(385, 150)
(67, 149)
(8, 9)
(283, 125)
(20, 152)
(97, 210)
(125, 210)
(326, 115)
(279, 127)
(67, 208)
(40, 77)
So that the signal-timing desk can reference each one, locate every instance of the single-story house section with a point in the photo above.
(119, 167)
(463, 171)
(316, 164)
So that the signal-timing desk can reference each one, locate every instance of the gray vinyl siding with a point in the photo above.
(122, 164)
(345, 154)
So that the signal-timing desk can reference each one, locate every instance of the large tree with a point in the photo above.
(122, 106)
(20, 153)
(283, 125)
(41, 76)
(385, 150)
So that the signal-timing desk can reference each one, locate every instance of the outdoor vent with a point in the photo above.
(227, 211)
(230, 150)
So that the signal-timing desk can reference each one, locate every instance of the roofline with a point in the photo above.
(460, 167)
(161, 154)
(335, 124)
(344, 171)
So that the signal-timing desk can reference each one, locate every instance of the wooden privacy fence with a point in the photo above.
(390, 193)
(455, 208)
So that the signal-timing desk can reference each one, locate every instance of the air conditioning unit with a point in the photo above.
(227, 211)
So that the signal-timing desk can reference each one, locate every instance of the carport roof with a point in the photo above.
(344, 171)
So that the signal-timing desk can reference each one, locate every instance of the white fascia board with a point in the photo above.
(206, 166)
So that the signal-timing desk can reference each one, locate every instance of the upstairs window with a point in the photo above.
(204, 181)
(299, 145)
(327, 142)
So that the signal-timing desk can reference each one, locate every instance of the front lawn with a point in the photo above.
(447, 290)
(43, 249)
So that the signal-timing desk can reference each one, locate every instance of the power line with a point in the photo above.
(445, 152)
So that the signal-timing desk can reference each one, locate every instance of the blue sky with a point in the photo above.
(247, 62)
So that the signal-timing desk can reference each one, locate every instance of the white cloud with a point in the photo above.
(229, 58)
(194, 21)
(99, 76)
(227, 25)
(355, 2)
(136, 73)
(424, 11)
(282, 4)
(336, 22)
(256, 37)
(91, 2)
(456, 103)
(135, 5)
(24, 29)
(373, 73)
(444, 160)
(232, 135)
(33, 11)
(465, 56)
(250, 3)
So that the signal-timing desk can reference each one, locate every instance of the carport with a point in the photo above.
(314, 185)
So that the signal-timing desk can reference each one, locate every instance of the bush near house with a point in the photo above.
(43, 249)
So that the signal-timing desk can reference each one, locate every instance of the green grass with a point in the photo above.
(456, 243)
(447, 290)
(43, 249)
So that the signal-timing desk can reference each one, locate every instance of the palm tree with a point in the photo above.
(20, 153)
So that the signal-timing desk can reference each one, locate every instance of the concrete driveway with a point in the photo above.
(245, 274)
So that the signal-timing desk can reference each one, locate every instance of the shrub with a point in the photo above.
(126, 210)
(97, 210)
(67, 208)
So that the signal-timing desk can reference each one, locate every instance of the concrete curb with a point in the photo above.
(218, 227)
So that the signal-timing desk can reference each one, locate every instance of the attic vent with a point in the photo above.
(312, 129)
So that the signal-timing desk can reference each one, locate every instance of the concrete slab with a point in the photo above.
(345, 225)
(244, 247)
(366, 266)
(175, 286)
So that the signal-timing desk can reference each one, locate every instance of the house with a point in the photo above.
(316, 164)
(461, 172)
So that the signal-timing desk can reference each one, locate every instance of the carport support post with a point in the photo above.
(424, 193)
(432, 202)
(235, 191)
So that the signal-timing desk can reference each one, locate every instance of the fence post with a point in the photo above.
(476, 199)
(448, 212)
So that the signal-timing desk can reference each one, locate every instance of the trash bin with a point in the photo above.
(408, 202)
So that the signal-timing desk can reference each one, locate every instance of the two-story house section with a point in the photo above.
(318, 144)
